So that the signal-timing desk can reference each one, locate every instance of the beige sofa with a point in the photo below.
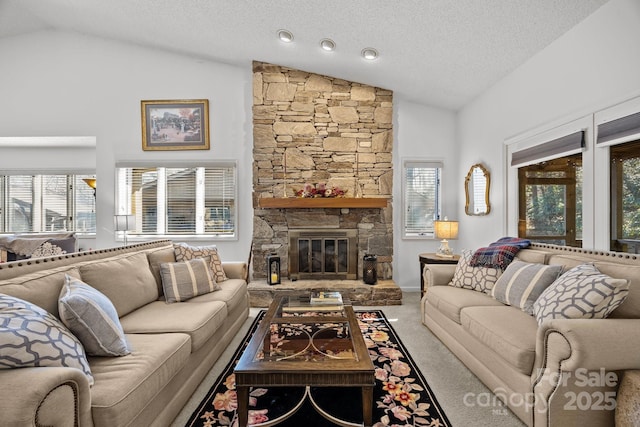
(173, 345)
(562, 373)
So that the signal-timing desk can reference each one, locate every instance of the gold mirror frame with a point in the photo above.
(474, 190)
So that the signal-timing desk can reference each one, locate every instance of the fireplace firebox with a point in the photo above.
(323, 254)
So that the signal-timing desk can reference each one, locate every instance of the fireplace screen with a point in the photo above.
(323, 254)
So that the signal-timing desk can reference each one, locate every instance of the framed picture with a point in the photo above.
(175, 124)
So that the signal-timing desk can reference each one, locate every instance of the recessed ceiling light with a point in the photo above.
(285, 36)
(327, 44)
(369, 53)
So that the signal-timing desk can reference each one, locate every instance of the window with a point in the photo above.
(46, 202)
(550, 201)
(625, 197)
(187, 200)
(421, 197)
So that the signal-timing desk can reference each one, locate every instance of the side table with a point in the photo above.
(432, 258)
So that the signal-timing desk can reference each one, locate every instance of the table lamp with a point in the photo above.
(124, 223)
(445, 230)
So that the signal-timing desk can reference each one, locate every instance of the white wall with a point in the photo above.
(65, 84)
(421, 132)
(591, 67)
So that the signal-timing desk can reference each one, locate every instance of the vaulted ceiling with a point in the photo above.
(436, 52)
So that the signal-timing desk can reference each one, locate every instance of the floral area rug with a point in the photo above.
(401, 395)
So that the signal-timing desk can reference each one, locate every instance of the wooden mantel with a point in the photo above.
(322, 202)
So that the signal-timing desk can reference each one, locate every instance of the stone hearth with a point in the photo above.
(384, 292)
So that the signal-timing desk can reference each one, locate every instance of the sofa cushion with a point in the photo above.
(125, 385)
(41, 288)
(184, 280)
(232, 292)
(479, 279)
(156, 258)
(533, 255)
(199, 321)
(522, 283)
(630, 307)
(450, 301)
(32, 337)
(508, 331)
(581, 293)
(125, 279)
(185, 252)
(92, 318)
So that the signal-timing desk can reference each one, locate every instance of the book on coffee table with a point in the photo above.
(304, 304)
(326, 298)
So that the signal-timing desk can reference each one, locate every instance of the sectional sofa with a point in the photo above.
(558, 372)
(172, 346)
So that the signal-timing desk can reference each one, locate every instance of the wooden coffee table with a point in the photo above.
(296, 345)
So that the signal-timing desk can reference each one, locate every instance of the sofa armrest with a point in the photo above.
(612, 344)
(45, 396)
(437, 274)
(235, 269)
(575, 382)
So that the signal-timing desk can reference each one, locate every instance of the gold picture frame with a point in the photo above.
(175, 124)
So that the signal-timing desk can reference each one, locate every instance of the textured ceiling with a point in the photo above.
(436, 52)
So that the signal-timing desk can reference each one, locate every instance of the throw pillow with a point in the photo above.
(479, 279)
(33, 337)
(581, 293)
(184, 280)
(91, 316)
(522, 283)
(186, 252)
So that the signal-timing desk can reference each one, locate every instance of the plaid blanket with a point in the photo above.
(498, 254)
(514, 241)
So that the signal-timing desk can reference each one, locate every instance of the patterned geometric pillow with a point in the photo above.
(91, 316)
(522, 283)
(184, 280)
(186, 252)
(32, 337)
(581, 293)
(47, 249)
(479, 279)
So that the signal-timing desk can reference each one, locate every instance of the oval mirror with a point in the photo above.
(476, 188)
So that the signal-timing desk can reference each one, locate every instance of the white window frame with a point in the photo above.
(426, 234)
(37, 212)
(123, 199)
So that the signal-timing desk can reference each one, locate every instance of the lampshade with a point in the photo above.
(91, 182)
(446, 229)
(124, 222)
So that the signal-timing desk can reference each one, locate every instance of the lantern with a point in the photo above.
(370, 269)
(273, 269)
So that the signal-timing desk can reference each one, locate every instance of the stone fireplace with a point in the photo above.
(310, 128)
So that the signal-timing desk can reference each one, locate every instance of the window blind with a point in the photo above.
(46, 202)
(184, 200)
(560, 147)
(619, 129)
(421, 197)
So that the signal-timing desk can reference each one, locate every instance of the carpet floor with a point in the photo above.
(401, 394)
(451, 381)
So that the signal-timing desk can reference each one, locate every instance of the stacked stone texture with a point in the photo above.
(309, 128)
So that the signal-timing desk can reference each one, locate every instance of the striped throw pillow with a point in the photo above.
(91, 316)
(522, 283)
(184, 280)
